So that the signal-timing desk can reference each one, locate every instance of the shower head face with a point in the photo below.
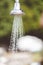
(16, 12)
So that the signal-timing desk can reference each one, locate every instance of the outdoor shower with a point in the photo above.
(17, 29)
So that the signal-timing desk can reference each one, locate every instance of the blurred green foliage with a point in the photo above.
(32, 9)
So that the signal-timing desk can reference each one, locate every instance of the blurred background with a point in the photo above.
(32, 20)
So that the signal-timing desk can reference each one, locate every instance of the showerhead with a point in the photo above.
(17, 10)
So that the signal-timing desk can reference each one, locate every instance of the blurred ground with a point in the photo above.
(35, 57)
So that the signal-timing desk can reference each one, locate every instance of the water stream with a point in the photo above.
(17, 32)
